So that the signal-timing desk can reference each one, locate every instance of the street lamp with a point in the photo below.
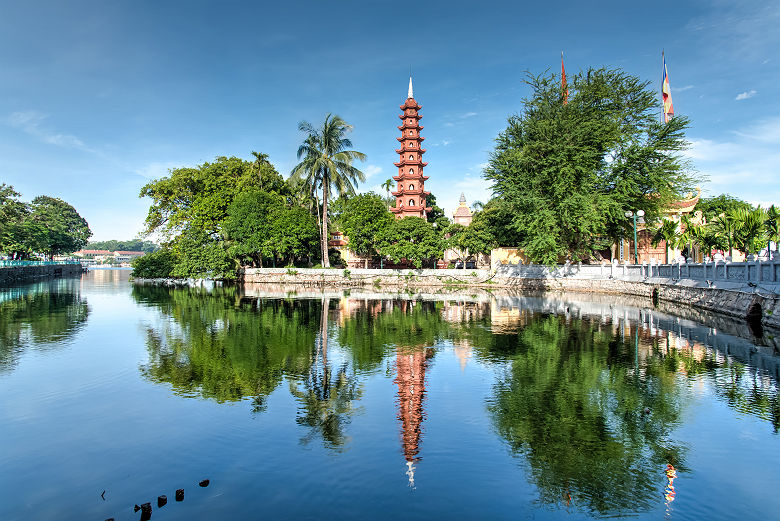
(630, 214)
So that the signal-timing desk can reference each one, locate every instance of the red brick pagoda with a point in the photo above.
(411, 199)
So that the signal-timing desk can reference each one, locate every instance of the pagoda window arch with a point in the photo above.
(411, 157)
(400, 186)
(411, 171)
(411, 202)
(411, 187)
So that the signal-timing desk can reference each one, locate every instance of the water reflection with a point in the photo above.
(587, 394)
(42, 316)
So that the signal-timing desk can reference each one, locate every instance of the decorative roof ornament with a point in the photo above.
(411, 91)
(462, 198)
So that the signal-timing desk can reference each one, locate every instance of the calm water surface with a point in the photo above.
(344, 405)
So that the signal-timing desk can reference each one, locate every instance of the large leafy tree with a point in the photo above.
(190, 206)
(568, 171)
(468, 241)
(365, 216)
(248, 225)
(327, 165)
(411, 238)
(59, 227)
(712, 207)
(293, 233)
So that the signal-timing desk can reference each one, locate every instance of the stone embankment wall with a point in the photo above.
(16, 274)
(744, 289)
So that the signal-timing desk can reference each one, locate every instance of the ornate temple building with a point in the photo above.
(411, 199)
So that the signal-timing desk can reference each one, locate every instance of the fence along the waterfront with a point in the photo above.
(766, 272)
(21, 263)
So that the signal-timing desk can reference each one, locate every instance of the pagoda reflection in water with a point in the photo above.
(411, 364)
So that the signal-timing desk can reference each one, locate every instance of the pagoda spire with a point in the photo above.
(411, 196)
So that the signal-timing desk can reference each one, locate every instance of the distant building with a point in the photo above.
(462, 215)
(123, 257)
(411, 199)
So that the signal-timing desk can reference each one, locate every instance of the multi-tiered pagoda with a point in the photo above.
(411, 199)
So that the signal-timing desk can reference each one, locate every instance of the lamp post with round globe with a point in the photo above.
(640, 214)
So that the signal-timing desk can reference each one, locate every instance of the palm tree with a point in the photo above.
(477, 206)
(772, 226)
(707, 238)
(327, 164)
(260, 159)
(748, 228)
(724, 226)
(667, 232)
(386, 185)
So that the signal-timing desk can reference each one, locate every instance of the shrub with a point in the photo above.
(156, 265)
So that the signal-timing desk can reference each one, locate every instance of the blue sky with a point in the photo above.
(97, 98)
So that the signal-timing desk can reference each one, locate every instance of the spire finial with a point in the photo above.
(411, 92)
(462, 198)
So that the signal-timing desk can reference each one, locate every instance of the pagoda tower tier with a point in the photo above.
(411, 198)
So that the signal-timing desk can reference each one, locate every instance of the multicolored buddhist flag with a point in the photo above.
(564, 89)
(666, 93)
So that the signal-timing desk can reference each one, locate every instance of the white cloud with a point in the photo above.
(468, 115)
(372, 170)
(745, 95)
(156, 170)
(682, 89)
(746, 166)
(31, 122)
(449, 124)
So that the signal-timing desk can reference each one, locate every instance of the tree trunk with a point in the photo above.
(325, 186)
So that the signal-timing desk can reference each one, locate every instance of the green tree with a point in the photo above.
(155, 265)
(328, 164)
(669, 234)
(190, 206)
(711, 207)
(60, 227)
(436, 215)
(365, 216)
(387, 185)
(498, 219)
(248, 225)
(772, 226)
(472, 240)
(411, 238)
(567, 172)
(293, 233)
(749, 229)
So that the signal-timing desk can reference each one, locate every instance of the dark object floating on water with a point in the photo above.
(180, 494)
(136, 508)
(162, 500)
(204, 483)
(110, 519)
(103, 495)
(146, 511)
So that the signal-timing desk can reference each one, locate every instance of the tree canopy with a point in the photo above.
(363, 218)
(413, 239)
(568, 171)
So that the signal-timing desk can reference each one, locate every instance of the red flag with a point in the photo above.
(564, 90)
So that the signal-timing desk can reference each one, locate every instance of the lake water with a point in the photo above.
(358, 405)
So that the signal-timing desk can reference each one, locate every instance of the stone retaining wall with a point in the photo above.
(16, 274)
(734, 297)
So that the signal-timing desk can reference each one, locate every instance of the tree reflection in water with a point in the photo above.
(590, 405)
(42, 315)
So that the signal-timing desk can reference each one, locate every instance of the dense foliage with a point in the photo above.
(362, 218)
(115, 245)
(48, 226)
(156, 265)
(413, 239)
(568, 171)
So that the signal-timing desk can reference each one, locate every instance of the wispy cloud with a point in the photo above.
(745, 95)
(31, 122)
(745, 166)
(683, 89)
(449, 124)
(156, 170)
(468, 115)
(372, 170)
